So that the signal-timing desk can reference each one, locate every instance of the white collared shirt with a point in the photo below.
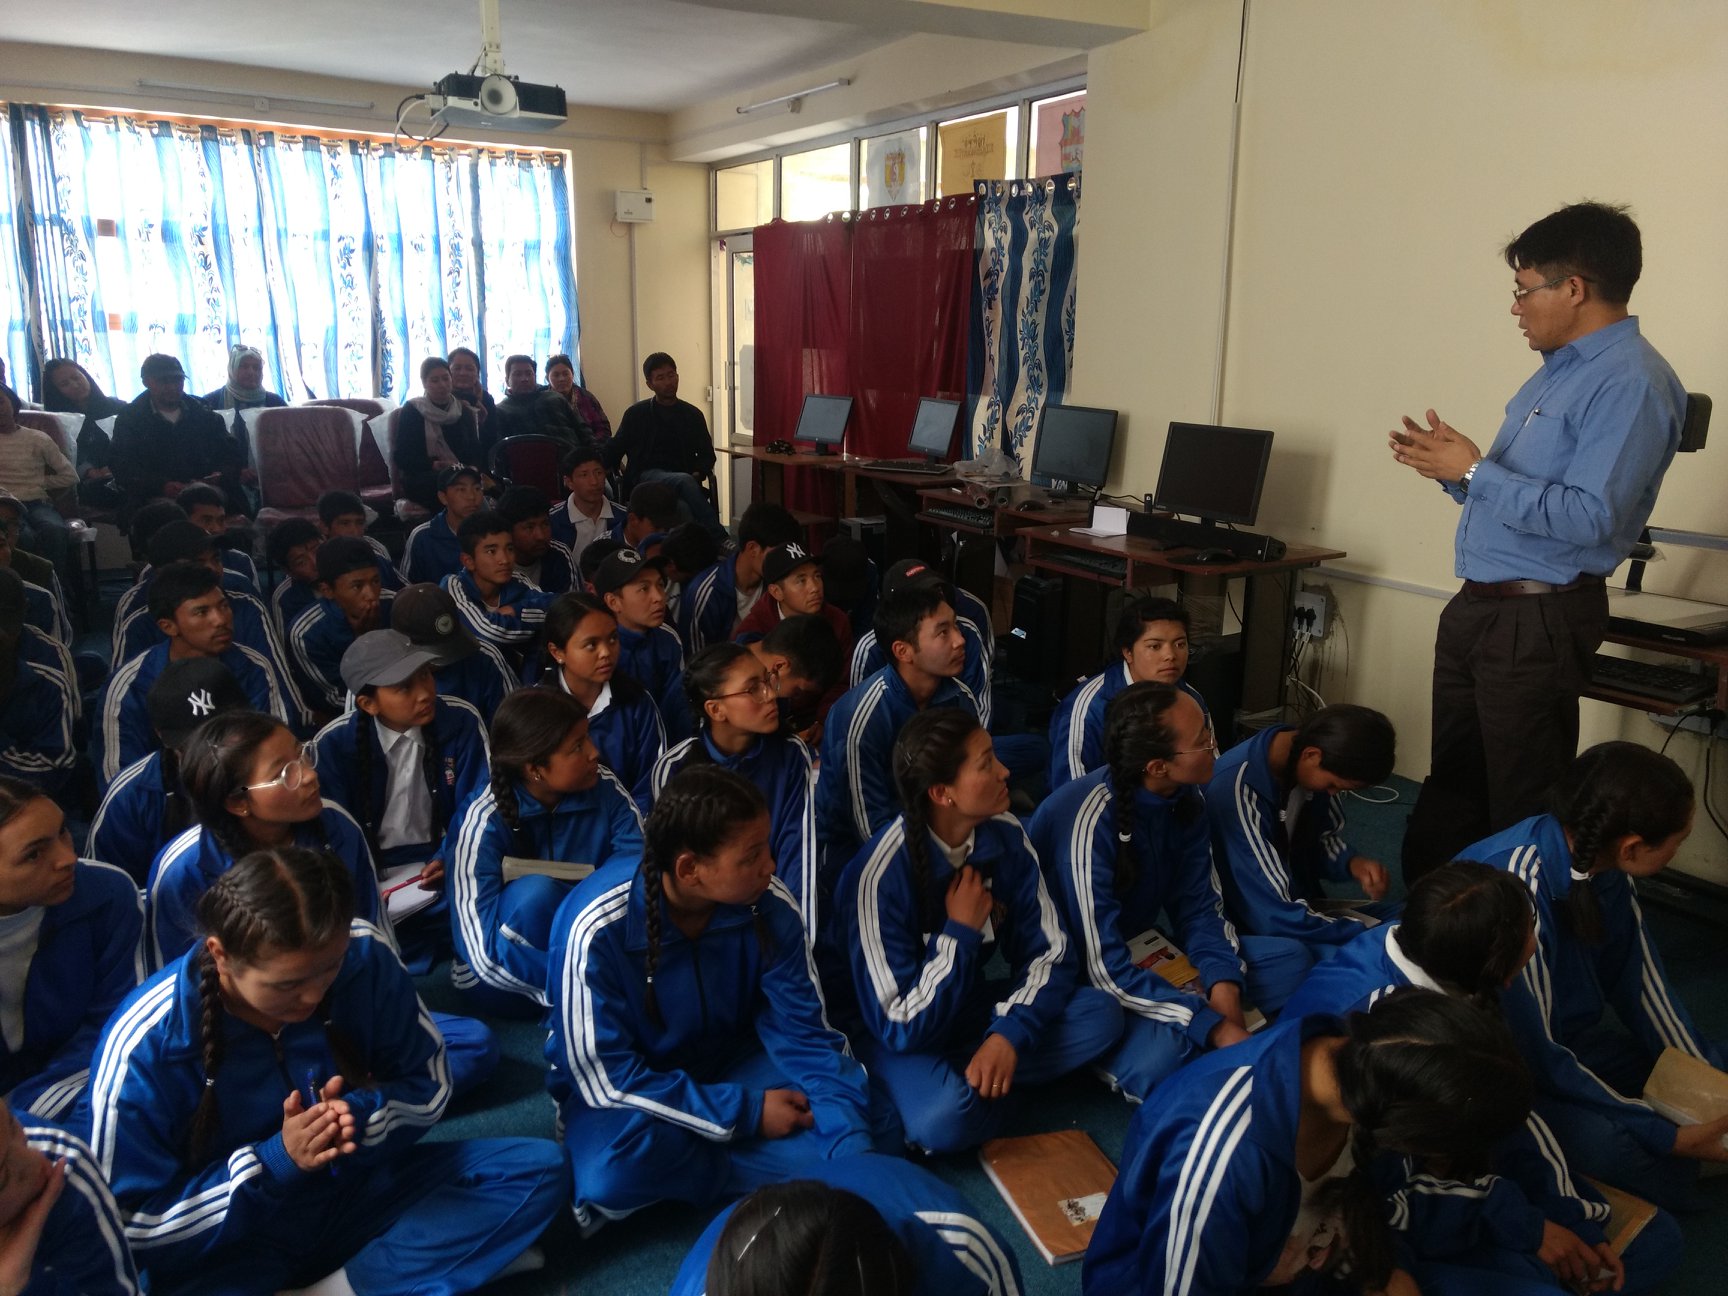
(588, 529)
(407, 818)
(1405, 964)
(19, 934)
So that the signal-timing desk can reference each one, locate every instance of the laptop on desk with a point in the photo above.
(1662, 616)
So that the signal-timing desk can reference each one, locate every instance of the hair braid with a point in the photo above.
(1123, 785)
(653, 900)
(916, 826)
(176, 805)
(365, 760)
(431, 761)
(928, 752)
(205, 1119)
(1581, 911)
(510, 810)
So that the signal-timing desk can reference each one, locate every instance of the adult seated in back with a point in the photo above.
(561, 377)
(666, 439)
(245, 388)
(165, 440)
(435, 430)
(528, 409)
(31, 468)
(67, 388)
(469, 384)
(433, 552)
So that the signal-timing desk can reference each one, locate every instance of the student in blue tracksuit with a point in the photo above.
(252, 785)
(343, 513)
(432, 551)
(582, 660)
(38, 697)
(147, 806)
(258, 1106)
(1151, 643)
(550, 799)
(1469, 930)
(498, 607)
(206, 509)
(1125, 849)
(873, 1224)
(918, 914)
(739, 730)
(855, 788)
(585, 514)
(1277, 813)
(719, 598)
(1620, 813)
(690, 1055)
(1256, 1165)
(63, 1233)
(540, 559)
(191, 609)
(351, 602)
(69, 953)
(466, 668)
(970, 615)
(292, 550)
(634, 588)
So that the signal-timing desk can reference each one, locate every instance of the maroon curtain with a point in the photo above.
(803, 335)
(911, 298)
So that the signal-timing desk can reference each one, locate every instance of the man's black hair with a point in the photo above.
(150, 519)
(899, 612)
(340, 555)
(657, 502)
(179, 541)
(582, 454)
(477, 527)
(175, 584)
(597, 552)
(658, 360)
(520, 503)
(510, 362)
(200, 493)
(690, 548)
(290, 533)
(1598, 242)
(333, 504)
(769, 525)
(810, 646)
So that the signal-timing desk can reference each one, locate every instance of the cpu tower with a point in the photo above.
(1037, 639)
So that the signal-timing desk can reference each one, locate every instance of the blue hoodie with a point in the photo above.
(432, 552)
(655, 660)
(38, 713)
(1077, 728)
(83, 1251)
(973, 618)
(317, 639)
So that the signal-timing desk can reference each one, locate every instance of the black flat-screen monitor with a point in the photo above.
(1213, 473)
(823, 421)
(933, 428)
(1074, 445)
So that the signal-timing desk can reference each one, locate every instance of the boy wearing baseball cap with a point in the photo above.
(433, 552)
(970, 614)
(634, 588)
(467, 669)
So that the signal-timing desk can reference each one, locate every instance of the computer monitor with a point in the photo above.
(933, 428)
(1073, 445)
(1213, 473)
(823, 421)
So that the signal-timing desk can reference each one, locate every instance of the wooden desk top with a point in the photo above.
(861, 464)
(1138, 549)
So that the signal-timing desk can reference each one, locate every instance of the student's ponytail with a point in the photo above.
(929, 751)
(700, 808)
(1467, 926)
(1430, 1077)
(529, 726)
(1611, 791)
(1136, 732)
(177, 812)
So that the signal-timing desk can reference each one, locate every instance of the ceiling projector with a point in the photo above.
(496, 100)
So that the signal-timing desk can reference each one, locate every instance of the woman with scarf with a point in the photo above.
(68, 388)
(435, 430)
(245, 388)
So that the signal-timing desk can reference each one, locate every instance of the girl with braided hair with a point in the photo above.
(1279, 1161)
(1620, 813)
(252, 785)
(258, 1106)
(551, 799)
(734, 698)
(691, 1058)
(917, 915)
(1126, 848)
(583, 655)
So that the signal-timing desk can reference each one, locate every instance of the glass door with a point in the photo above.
(739, 269)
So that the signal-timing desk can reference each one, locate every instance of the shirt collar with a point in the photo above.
(389, 739)
(957, 855)
(1405, 964)
(1595, 343)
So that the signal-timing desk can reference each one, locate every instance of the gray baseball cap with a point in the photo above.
(383, 657)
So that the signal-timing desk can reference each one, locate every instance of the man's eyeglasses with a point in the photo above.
(293, 773)
(1519, 293)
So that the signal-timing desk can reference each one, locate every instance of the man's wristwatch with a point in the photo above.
(1464, 481)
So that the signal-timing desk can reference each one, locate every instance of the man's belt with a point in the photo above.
(1518, 588)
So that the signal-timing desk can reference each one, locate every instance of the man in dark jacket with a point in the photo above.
(666, 439)
(166, 440)
(528, 409)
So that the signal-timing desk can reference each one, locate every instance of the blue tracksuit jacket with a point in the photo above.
(909, 982)
(1260, 864)
(186, 867)
(83, 1250)
(1077, 728)
(135, 597)
(722, 996)
(655, 660)
(480, 679)
(511, 633)
(855, 785)
(128, 829)
(953, 1251)
(290, 598)
(564, 526)
(974, 622)
(149, 1076)
(463, 770)
(626, 726)
(125, 735)
(87, 960)
(317, 640)
(1570, 984)
(37, 715)
(783, 769)
(1074, 832)
(557, 571)
(432, 552)
(45, 609)
(599, 826)
(708, 606)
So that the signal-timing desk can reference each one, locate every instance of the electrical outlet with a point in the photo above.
(1308, 616)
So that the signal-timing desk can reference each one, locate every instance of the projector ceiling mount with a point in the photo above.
(486, 96)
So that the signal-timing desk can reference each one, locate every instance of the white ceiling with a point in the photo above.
(652, 55)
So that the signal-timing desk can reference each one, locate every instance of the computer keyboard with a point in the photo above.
(983, 519)
(1672, 684)
(921, 467)
(1102, 564)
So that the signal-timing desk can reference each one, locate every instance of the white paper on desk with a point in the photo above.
(409, 900)
(1107, 520)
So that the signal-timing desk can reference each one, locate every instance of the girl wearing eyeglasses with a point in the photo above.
(1127, 846)
(252, 785)
(738, 709)
(917, 915)
(623, 722)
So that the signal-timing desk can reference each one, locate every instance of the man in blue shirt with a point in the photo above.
(1552, 507)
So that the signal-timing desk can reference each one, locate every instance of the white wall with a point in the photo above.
(1387, 152)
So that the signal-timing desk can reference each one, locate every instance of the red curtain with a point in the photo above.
(803, 335)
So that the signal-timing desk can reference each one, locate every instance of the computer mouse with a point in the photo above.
(780, 446)
(1026, 506)
(1206, 557)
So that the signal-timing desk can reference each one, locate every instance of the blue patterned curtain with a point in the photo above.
(1022, 338)
(14, 299)
(344, 261)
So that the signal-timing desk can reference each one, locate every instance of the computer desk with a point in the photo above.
(1266, 609)
(950, 510)
(851, 469)
(1712, 654)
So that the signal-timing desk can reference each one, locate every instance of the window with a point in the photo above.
(982, 147)
(891, 170)
(744, 195)
(815, 183)
(1058, 134)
